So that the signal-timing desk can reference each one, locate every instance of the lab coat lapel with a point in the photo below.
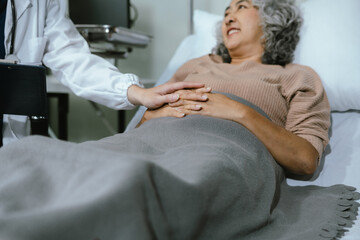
(21, 6)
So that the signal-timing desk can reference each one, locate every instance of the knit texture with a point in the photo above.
(292, 96)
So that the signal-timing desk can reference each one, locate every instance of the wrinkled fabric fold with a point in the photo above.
(191, 178)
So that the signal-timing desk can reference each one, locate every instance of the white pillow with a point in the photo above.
(205, 26)
(330, 44)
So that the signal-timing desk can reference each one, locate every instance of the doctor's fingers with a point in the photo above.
(194, 95)
(185, 92)
(203, 90)
(188, 97)
(171, 87)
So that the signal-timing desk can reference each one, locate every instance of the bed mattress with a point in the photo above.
(341, 163)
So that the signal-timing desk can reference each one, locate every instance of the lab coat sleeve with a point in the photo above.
(67, 54)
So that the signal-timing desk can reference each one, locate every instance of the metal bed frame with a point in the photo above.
(191, 6)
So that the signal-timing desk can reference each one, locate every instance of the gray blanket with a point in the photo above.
(191, 178)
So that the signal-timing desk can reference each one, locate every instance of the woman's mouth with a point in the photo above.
(232, 31)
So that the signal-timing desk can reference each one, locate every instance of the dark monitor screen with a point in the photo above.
(103, 12)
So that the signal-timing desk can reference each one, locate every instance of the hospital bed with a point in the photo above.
(329, 44)
(125, 184)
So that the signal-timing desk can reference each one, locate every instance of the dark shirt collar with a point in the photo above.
(3, 5)
(2, 26)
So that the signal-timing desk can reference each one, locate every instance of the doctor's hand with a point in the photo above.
(189, 99)
(156, 97)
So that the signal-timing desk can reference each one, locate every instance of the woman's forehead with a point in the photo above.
(237, 2)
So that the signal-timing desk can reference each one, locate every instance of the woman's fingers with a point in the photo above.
(177, 104)
(193, 107)
(186, 103)
(177, 113)
(190, 108)
(200, 95)
(203, 90)
(187, 112)
(194, 94)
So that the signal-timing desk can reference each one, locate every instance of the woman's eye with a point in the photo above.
(239, 7)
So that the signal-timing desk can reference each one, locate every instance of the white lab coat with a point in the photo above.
(44, 34)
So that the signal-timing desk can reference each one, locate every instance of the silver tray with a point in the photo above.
(112, 34)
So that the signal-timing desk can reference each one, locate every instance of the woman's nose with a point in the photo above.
(229, 19)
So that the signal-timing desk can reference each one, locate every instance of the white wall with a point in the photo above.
(168, 21)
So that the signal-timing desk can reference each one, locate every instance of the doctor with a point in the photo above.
(39, 32)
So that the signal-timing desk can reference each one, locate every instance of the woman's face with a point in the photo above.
(241, 29)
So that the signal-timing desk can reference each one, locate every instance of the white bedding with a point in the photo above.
(341, 163)
(342, 159)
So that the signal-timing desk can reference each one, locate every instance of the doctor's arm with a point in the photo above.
(68, 56)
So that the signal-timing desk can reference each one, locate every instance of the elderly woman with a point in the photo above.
(253, 61)
(214, 174)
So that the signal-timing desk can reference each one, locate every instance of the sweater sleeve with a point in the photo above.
(309, 109)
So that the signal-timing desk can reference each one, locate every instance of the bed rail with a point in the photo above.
(191, 4)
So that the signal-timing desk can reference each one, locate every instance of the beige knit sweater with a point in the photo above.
(292, 96)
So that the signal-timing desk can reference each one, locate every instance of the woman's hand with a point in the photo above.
(196, 96)
(156, 97)
(217, 105)
(164, 111)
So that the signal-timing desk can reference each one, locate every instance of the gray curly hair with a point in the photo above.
(281, 23)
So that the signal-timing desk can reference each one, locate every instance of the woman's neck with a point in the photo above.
(239, 60)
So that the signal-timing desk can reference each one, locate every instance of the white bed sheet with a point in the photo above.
(341, 163)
